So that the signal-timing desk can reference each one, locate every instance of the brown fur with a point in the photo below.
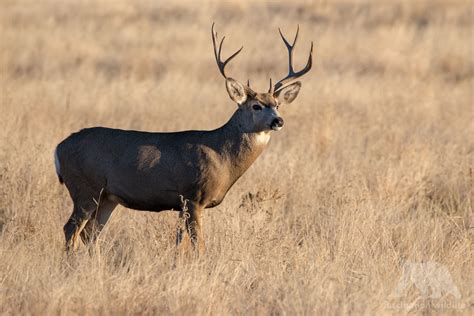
(151, 171)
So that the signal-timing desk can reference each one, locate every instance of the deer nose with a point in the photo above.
(277, 123)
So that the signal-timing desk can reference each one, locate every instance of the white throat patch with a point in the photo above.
(262, 138)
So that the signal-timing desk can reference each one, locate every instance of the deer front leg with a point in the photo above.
(192, 215)
(194, 227)
(180, 227)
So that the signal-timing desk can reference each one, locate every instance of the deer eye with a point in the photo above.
(256, 107)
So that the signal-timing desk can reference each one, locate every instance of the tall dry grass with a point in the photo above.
(373, 167)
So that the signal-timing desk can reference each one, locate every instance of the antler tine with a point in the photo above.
(271, 86)
(217, 52)
(291, 73)
(290, 47)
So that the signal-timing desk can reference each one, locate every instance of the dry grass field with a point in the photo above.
(373, 168)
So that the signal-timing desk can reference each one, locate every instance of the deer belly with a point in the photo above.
(145, 193)
(156, 203)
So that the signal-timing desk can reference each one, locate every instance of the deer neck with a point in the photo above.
(239, 147)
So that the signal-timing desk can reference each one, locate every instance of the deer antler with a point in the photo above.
(291, 73)
(217, 52)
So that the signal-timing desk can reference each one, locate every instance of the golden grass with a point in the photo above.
(373, 167)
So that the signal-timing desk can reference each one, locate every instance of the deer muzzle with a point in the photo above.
(277, 124)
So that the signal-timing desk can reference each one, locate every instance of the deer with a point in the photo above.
(184, 171)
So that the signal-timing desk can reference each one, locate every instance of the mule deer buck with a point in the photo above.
(102, 167)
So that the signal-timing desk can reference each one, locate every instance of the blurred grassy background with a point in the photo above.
(373, 167)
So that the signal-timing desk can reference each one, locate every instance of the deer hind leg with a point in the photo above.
(74, 226)
(97, 221)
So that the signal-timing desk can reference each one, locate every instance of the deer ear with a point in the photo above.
(237, 91)
(288, 93)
